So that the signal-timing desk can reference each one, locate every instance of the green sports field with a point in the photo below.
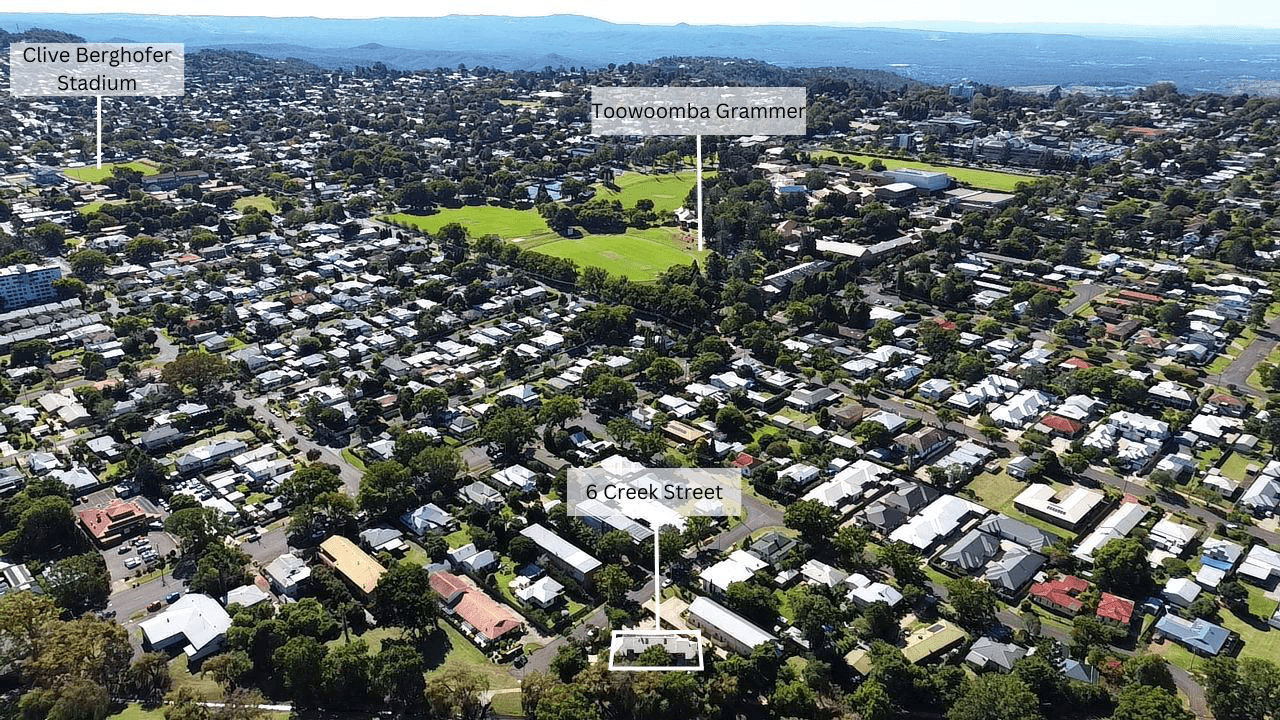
(262, 202)
(667, 191)
(506, 223)
(93, 174)
(986, 179)
(638, 254)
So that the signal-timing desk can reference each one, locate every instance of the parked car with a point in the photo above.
(155, 606)
(172, 597)
(124, 550)
(132, 563)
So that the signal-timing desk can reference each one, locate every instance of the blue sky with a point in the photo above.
(1173, 13)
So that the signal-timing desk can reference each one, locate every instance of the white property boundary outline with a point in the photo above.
(618, 635)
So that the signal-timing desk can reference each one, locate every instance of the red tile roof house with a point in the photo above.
(1115, 610)
(488, 619)
(110, 524)
(1229, 404)
(1065, 427)
(1060, 594)
(1140, 297)
(745, 463)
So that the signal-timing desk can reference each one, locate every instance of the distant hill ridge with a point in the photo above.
(1219, 60)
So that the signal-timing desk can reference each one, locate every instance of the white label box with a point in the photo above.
(97, 69)
(698, 111)
(659, 496)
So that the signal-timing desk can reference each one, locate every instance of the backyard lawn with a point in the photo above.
(1236, 467)
(1260, 639)
(462, 652)
(987, 179)
(205, 688)
(96, 205)
(998, 491)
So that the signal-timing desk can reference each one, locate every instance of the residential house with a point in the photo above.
(1199, 636)
(989, 654)
(1060, 594)
(482, 618)
(429, 518)
(727, 628)
(580, 565)
(351, 563)
(196, 623)
(287, 574)
(1068, 508)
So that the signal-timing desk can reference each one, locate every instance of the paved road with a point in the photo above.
(270, 546)
(1237, 373)
(131, 601)
(1085, 293)
(350, 475)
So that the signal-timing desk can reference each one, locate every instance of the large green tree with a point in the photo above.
(404, 598)
(993, 696)
(201, 371)
(79, 582)
(1145, 702)
(1121, 567)
(508, 430)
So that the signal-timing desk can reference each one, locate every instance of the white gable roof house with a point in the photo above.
(1022, 408)
(937, 521)
(738, 567)
(196, 621)
(850, 483)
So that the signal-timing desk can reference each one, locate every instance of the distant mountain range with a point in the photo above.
(1220, 60)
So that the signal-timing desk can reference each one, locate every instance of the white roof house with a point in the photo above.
(738, 567)
(542, 592)
(1263, 493)
(820, 573)
(196, 621)
(1261, 564)
(727, 627)
(1022, 408)
(286, 573)
(851, 482)
(428, 518)
(1181, 591)
(575, 560)
(1171, 536)
(517, 476)
(864, 591)
(1119, 523)
(1068, 511)
(936, 521)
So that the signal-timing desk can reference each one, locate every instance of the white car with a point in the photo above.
(132, 563)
